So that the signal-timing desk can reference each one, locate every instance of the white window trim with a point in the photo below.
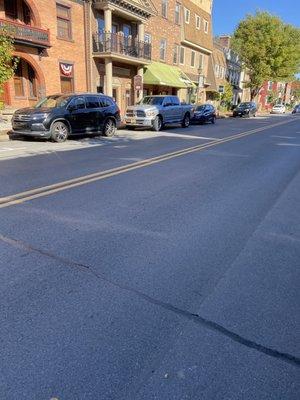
(165, 49)
(179, 12)
(198, 18)
(205, 27)
(187, 12)
(176, 48)
(181, 48)
(193, 52)
(166, 3)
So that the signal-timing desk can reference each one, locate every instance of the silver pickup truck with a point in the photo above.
(156, 111)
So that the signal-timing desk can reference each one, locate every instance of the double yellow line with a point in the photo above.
(97, 176)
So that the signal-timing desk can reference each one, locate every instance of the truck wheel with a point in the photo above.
(59, 132)
(186, 121)
(157, 124)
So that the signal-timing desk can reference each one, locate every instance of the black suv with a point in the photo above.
(58, 116)
(245, 109)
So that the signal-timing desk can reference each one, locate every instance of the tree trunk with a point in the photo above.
(254, 92)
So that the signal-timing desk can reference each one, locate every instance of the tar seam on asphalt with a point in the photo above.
(211, 325)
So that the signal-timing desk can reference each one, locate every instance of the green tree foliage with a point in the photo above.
(295, 92)
(272, 97)
(8, 63)
(269, 49)
(227, 96)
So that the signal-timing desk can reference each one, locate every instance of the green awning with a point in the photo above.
(166, 75)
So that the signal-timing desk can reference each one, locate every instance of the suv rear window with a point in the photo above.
(92, 102)
(106, 102)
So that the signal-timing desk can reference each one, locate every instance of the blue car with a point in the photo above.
(204, 113)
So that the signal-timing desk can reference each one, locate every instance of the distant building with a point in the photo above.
(219, 70)
(274, 93)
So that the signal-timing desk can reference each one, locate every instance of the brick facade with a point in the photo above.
(272, 93)
(160, 27)
(39, 67)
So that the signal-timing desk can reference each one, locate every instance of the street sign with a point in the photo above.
(138, 82)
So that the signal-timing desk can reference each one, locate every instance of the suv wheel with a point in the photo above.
(157, 124)
(213, 120)
(59, 132)
(109, 128)
(186, 121)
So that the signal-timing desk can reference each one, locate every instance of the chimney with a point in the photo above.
(225, 40)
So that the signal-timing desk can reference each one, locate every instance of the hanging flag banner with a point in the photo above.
(66, 69)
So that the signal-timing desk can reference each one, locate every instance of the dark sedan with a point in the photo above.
(204, 113)
(296, 109)
(59, 116)
(246, 109)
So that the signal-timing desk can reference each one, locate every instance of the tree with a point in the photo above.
(272, 97)
(8, 63)
(295, 92)
(227, 95)
(268, 48)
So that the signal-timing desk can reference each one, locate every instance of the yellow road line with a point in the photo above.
(83, 180)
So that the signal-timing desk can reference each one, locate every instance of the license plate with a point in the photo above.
(132, 120)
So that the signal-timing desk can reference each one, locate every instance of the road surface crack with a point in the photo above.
(196, 318)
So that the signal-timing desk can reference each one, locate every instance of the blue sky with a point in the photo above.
(227, 13)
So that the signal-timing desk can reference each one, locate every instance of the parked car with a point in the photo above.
(204, 113)
(278, 109)
(156, 111)
(61, 115)
(296, 109)
(246, 109)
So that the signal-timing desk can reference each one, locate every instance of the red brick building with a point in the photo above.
(272, 93)
(50, 43)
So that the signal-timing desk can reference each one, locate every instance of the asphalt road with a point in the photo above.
(157, 266)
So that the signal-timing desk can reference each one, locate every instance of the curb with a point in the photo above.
(4, 134)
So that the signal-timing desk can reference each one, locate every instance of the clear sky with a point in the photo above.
(227, 13)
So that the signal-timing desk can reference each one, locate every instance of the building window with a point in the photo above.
(205, 26)
(100, 25)
(187, 15)
(198, 22)
(175, 54)
(66, 77)
(63, 22)
(217, 71)
(147, 38)
(31, 82)
(18, 80)
(164, 8)
(10, 8)
(177, 13)
(201, 61)
(162, 49)
(270, 85)
(193, 55)
(181, 58)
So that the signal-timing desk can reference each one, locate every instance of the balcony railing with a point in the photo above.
(26, 34)
(122, 45)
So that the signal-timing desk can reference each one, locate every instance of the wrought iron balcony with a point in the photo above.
(26, 34)
(122, 45)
